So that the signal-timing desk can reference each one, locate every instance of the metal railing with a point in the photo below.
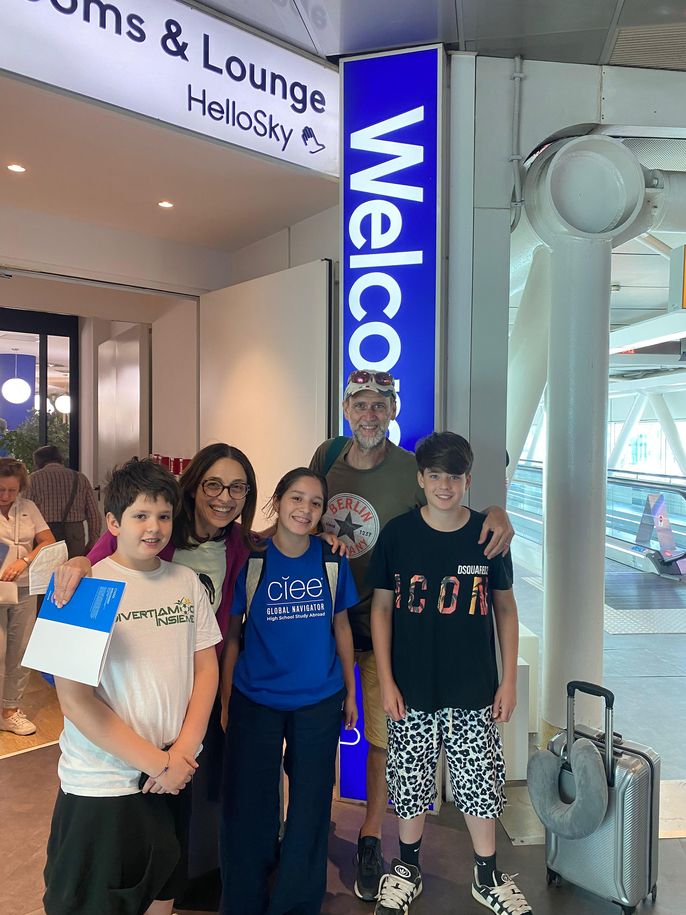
(643, 510)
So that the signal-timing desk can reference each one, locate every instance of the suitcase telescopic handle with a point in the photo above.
(592, 689)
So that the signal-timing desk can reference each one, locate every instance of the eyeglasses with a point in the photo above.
(361, 376)
(236, 488)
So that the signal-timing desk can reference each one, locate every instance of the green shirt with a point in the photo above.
(360, 503)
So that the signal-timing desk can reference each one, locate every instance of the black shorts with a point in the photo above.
(115, 855)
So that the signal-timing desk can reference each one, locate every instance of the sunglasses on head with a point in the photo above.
(361, 376)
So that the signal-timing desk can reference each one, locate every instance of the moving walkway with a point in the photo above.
(645, 525)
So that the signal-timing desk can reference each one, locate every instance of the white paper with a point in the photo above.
(67, 651)
(72, 641)
(45, 563)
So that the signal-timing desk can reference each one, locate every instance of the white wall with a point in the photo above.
(312, 239)
(48, 243)
(92, 332)
(175, 391)
(266, 390)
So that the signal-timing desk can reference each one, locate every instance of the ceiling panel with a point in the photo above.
(279, 18)
(639, 298)
(503, 18)
(624, 317)
(645, 270)
(651, 12)
(357, 25)
(90, 163)
(581, 47)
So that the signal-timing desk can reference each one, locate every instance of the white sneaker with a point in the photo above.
(18, 724)
(504, 898)
(398, 889)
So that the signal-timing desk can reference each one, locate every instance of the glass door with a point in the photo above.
(38, 384)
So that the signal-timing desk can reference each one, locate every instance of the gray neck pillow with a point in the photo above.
(585, 813)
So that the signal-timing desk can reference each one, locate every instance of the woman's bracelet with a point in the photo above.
(27, 561)
(165, 770)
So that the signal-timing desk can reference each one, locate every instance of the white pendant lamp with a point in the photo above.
(63, 403)
(16, 390)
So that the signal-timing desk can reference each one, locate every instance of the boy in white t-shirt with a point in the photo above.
(129, 746)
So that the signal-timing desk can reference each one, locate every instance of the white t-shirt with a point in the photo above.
(163, 619)
(18, 530)
(208, 561)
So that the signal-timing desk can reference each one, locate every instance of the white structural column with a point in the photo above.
(575, 469)
(580, 194)
(527, 356)
(627, 431)
(666, 420)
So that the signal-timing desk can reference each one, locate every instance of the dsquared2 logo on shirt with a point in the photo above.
(447, 595)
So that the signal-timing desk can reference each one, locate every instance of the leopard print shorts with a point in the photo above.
(475, 761)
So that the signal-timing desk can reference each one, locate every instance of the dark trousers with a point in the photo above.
(250, 817)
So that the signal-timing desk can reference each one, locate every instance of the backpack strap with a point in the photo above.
(331, 562)
(253, 578)
(72, 496)
(255, 572)
(334, 450)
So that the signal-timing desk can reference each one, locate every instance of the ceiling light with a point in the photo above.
(16, 390)
(165, 204)
(15, 167)
(63, 403)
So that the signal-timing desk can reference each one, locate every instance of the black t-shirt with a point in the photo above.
(443, 651)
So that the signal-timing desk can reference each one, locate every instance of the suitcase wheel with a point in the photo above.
(628, 909)
(653, 893)
(552, 877)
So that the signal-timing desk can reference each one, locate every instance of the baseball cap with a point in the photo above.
(362, 380)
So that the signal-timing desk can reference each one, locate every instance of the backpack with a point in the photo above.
(335, 448)
(255, 573)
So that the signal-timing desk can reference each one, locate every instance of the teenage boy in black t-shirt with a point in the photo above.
(435, 598)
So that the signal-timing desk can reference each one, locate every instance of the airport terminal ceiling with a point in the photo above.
(228, 198)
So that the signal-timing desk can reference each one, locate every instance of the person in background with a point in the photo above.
(24, 532)
(291, 683)
(66, 499)
(370, 481)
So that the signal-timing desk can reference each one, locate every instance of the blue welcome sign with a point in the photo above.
(391, 176)
(391, 273)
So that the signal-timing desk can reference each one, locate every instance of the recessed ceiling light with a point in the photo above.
(15, 167)
(165, 204)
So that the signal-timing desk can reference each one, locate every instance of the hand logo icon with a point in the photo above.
(312, 144)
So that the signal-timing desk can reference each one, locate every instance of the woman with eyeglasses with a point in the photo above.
(217, 488)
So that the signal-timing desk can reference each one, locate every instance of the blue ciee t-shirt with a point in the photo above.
(289, 655)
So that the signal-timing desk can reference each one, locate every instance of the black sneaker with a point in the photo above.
(369, 868)
(504, 897)
(398, 888)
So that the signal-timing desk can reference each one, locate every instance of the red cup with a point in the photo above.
(176, 466)
(165, 461)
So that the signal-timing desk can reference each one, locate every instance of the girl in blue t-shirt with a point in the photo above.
(290, 681)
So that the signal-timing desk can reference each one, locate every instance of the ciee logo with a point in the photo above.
(402, 871)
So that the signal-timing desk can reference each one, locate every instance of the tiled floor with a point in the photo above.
(27, 789)
(40, 704)
(646, 671)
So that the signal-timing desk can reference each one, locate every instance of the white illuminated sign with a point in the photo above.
(178, 65)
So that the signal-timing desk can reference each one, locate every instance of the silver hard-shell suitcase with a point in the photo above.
(619, 860)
